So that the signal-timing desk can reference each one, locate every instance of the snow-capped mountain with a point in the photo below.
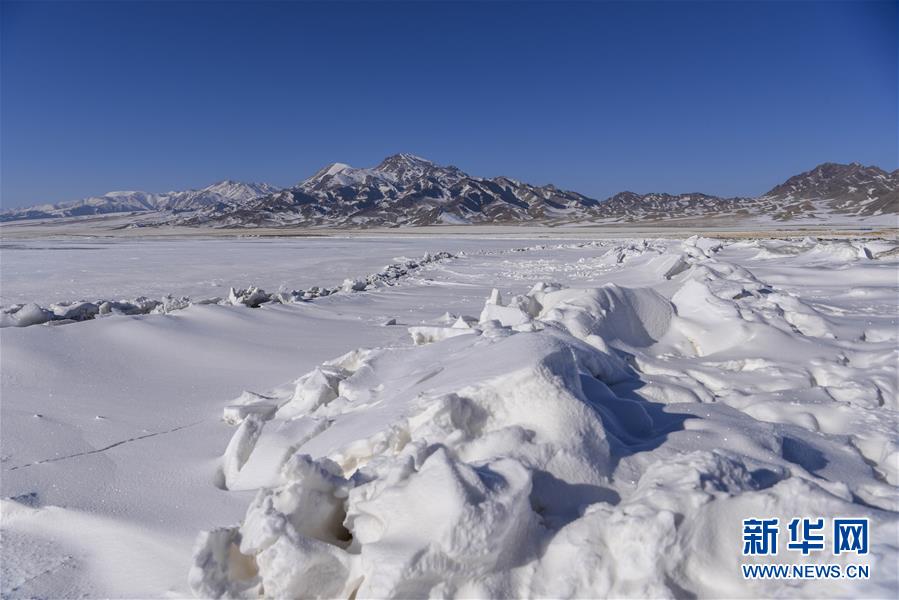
(397, 171)
(406, 190)
(402, 190)
(218, 195)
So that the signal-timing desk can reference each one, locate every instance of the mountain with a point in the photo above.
(406, 190)
(402, 190)
(830, 192)
(218, 195)
(221, 194)
(630, 207)
(851, 189)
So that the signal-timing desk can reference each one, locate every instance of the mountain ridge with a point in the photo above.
(220, 193)
(407, 190)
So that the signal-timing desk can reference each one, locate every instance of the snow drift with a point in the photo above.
(568, 442)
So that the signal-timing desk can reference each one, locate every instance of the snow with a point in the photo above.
(47, 271)
(578, 419)
(342, 174)
(451, 219)
(337, 168)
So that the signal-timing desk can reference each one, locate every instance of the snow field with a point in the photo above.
(51, 271)
(593, 441)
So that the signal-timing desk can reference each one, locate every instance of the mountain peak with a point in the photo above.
(335, 168)
(835, 169)
(850, 188)
(238, 190)
(340, 175)
(408, 159)
(398, 163)
(408, 170)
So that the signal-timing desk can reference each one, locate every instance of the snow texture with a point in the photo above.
(590, 419)
(572, 442)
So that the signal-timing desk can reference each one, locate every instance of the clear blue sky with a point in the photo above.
(728, 98)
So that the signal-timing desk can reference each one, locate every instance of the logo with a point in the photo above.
(806, 537)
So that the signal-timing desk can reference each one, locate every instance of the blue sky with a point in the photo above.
(727, 98)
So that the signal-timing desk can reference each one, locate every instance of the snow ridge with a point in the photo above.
(24, 315)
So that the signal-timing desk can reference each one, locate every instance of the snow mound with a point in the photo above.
(489, 447)
(634, 317)
(557, 446)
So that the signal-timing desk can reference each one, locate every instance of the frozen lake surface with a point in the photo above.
(48, 271)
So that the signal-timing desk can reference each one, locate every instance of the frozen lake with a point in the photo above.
(46, 271)
(501, 443)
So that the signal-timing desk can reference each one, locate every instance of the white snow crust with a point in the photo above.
(556, 420)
